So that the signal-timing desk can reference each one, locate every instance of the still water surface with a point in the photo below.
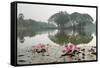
(55, 38)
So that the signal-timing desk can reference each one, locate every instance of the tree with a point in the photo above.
(87, 18)
(80, 19)
(21, 16)
(60, 18)
(20, 19)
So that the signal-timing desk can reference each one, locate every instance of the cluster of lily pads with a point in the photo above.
(69, 49)
(40, 48)
(78, 53)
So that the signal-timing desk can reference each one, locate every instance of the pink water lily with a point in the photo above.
(70, 48)
(44, 46)
(40, 49)
(39, 46)
(77, 48)
(33, 46)
(64, 50)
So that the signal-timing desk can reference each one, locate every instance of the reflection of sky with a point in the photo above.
(43, 12)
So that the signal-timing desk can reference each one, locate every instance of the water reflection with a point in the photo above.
(21, 34)
(24, 33)
(52, 37)
(61, 36)
(73, 36)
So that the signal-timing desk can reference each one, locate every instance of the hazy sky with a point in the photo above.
(43, 12)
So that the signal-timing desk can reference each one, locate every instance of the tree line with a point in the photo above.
(31, 23)
(62, 20)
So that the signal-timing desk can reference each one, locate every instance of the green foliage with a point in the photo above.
(60, 18)
(63, 18)
(31, 24)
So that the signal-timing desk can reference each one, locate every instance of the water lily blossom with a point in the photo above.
(70, 48)
(40, 46)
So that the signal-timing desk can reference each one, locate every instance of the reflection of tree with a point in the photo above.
(59, 38)
(63, 37)
(21, 37)
(24, 33)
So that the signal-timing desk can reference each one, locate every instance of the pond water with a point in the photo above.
(55, 39)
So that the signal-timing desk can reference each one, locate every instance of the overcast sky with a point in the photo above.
(43, 12)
